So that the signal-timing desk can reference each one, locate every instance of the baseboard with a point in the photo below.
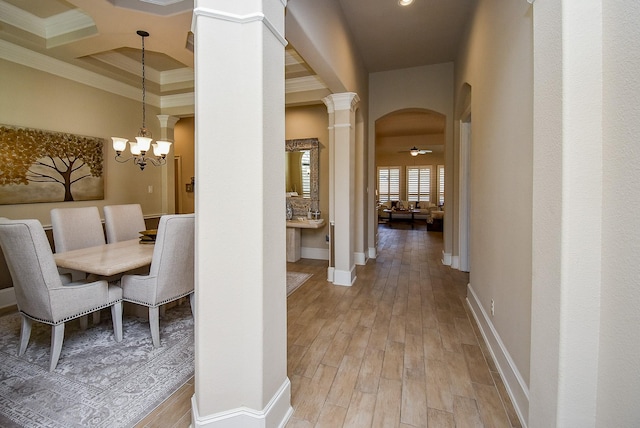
(7, 297)
(275, 414)
(513, 381)
(330, 273)
(373, 252)
(360, 259)
(446, 258)
(314, 253)
(344, 277)
(455, 262)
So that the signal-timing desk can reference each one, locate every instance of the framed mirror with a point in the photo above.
(302, 163)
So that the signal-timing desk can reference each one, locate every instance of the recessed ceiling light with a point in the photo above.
(405, 2)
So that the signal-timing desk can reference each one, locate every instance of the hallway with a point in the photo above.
(397, 349)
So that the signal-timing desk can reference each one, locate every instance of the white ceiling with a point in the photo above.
(391, 37)
(99, 36)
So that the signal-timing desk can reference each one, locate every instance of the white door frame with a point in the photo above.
(464, 202)
(177, 161)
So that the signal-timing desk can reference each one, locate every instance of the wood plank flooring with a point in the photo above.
(396, 349)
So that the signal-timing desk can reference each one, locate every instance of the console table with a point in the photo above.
(405, 212)
(293, 236)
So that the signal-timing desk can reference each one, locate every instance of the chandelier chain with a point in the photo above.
(144, 91)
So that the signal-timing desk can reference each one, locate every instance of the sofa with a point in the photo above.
(428, 210)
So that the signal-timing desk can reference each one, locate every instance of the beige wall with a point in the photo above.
(184, 147)
(496, 61)
(35, 99)
(312, 122)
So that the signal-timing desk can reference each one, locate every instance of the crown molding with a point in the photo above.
(67, 22)
(301, 84)
(46, 28)
(179, 75)
(18, 18)
(178, 100)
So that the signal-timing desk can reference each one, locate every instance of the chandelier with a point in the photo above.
(143, 143)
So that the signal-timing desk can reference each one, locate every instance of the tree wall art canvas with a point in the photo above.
(47, 166)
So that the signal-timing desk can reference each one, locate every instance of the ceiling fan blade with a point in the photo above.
(419, 151)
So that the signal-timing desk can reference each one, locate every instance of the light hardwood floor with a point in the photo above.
(397, 349)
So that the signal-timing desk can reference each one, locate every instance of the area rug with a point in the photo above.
(98, 382)
(295, 280)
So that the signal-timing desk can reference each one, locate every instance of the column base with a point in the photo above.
(330, 273)
(344, 277)
(360, 258)
(373, 252)
(446, 258)
(275, 414)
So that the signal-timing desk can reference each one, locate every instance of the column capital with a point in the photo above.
(342, 101)
(167, 121)
(238, 15)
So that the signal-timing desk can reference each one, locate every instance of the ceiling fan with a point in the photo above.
(416, 151)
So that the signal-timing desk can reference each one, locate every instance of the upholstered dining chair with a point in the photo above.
(41, 293)
(171, 273)
(75, 228)
(123, 222)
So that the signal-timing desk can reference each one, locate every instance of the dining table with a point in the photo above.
(108, 259)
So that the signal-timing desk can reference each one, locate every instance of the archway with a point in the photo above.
(396, 134)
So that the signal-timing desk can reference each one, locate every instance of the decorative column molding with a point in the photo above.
(167, 125)
(567, 281)
(341, 108)
(240, 266)
(343, 101)
(240, 19)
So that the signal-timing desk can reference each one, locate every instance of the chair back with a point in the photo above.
(75, 228)
(123, 222)
(172, 261)
(5, 276)
(30, 260)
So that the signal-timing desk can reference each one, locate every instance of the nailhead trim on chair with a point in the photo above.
(140, 302)
(70, 317)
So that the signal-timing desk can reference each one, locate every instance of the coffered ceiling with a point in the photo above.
(95, 41)
(74, 37)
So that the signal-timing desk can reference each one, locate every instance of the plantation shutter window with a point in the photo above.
(440, 184)
(305, 164)
(418, 183)
(388, 183)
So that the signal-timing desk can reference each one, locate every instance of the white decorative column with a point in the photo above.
(240, 327)
(567, 215)
(341, 108)
(167, 125)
